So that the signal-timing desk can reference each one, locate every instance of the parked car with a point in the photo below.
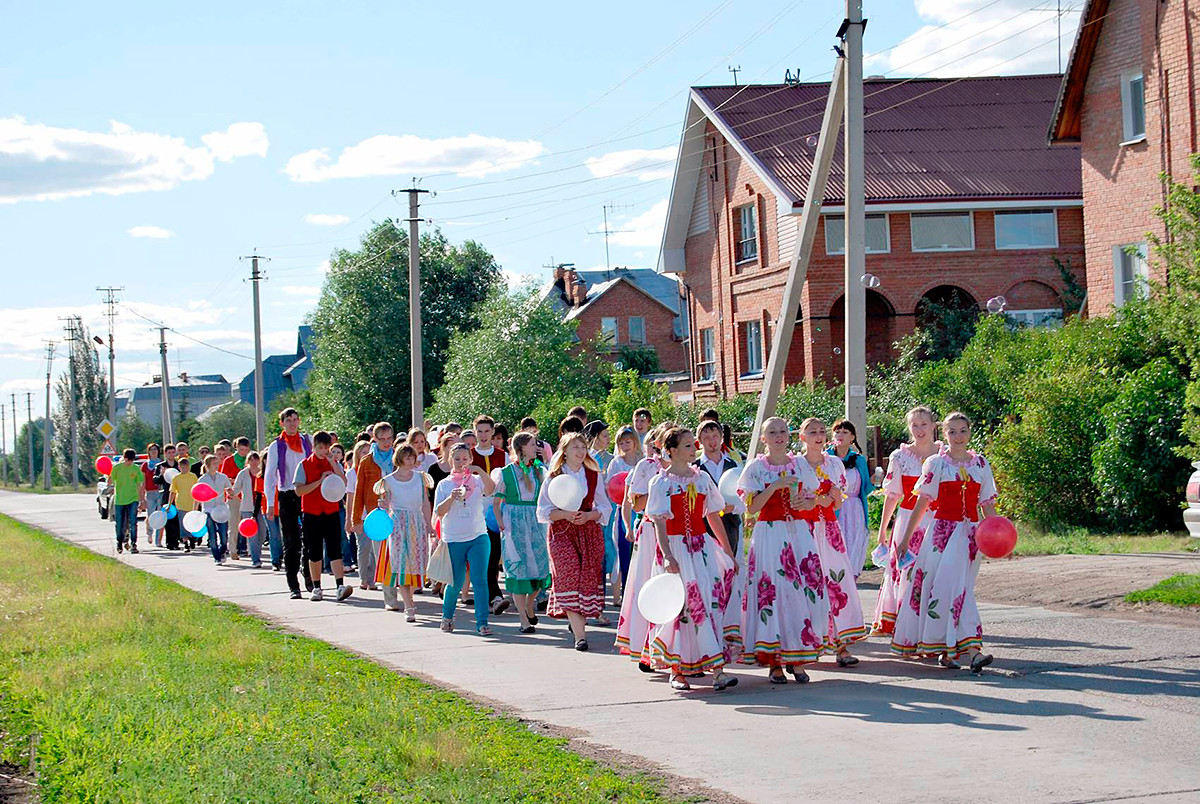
(1191, 514)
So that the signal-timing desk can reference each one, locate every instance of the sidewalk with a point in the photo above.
(1075, 709)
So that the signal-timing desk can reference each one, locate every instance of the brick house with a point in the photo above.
(1128, 100)
(965, 201)
(634, 307)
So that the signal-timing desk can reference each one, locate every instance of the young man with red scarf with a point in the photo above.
(322, 524)
(284, 456)
(487, 457)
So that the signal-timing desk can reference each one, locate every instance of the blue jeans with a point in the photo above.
(474, 552)
(255, 542)
(274, 541)
(125, 517)
(218, 538)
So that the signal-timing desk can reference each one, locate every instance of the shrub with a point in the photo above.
(630, 392)
(799, 401)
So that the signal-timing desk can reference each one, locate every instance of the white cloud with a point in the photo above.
(390, 155)
(324, 267)
(43, 163)
(1001, 39)
(647, 164)
(320, 219)
(644, 229)
(153, 232)
(240, 139)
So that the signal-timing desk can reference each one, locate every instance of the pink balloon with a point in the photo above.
(202, 492)
(104, 465)
(616, 487)
(248, 527)
(996, 536)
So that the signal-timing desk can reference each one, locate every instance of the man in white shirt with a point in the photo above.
(284, 454)
(714, 461)
(485, 455)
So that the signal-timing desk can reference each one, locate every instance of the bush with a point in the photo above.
(1139, 477)
(630, 392)
(799, 401)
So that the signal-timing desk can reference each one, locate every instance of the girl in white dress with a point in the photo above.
(941, 616)
(406, 496)
(785, 610)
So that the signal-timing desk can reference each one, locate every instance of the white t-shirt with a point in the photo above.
(407, 495)
(351, 481)
(220, 482)
(464, 521)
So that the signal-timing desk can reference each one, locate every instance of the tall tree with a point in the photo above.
(360, 325)
(20, 456)
(91, 407)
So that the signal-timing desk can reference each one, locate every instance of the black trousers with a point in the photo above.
(493, 572)
(289, 530)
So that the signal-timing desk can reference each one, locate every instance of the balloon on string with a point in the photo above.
(565, 492)
(248, 527)
(728, 485)
(170, 474)
(172, 512)
(616, 486)
(219, 513)
(333, 488)
(996, 304)
(377, 525)
(869, 281)
(104, 465)
(156, 520)
(195, 521)
(661, 598)
(489, 518)
(996, 536)
(202, 492)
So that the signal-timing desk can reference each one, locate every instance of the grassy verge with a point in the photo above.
(83, 489)
(1033, 542)
(141, 690)
(1178, 590)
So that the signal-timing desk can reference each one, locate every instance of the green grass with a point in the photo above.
(84, 488)
(141, 690)
(1034, 542)
(1178, 590)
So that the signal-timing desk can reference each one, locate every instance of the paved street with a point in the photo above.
(1075, 709)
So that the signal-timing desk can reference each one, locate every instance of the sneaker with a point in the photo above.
(133, 549)
(391, 607)
(296, 594)
(448, 626)
(276, 568)
(344, 591)
(499, 605)
(256, 566)
(317, 594)
(120, 549)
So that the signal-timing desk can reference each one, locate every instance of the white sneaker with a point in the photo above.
(317, 594)
(391, 607)
(344, 591)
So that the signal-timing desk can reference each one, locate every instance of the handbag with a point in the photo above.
(440, 567)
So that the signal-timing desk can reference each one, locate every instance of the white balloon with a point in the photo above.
(195, 521)
(170, 474)
(565, 492)
(869, 281)
(661, 598)
(996, 304)
(728, 485)
(219, 512)
(333, 488)
(156, 520)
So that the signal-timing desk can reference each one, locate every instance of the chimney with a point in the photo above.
(183, 376)
(558, 274)
(581, 291)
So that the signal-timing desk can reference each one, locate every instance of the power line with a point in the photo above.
(161, 325)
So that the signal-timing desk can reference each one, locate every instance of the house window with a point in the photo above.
(708, 363)
(608, 331)
(747, 244)
(754, 348)
(878, 240)
(1131, 274)
(1034, 228)
(1046, 318)
(637, 329)
(942, 231)
(1133, 107)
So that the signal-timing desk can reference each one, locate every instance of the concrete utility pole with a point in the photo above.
(414, 306)
(4, 445)
(72, 337)
(13, 398)
(856, 221)
(165, 386)
(29, 431)
(260, 399)
(110, 302)
(50, 346)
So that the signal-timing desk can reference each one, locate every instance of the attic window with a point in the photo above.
(1133, 107)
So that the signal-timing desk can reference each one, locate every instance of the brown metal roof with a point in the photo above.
(926, 139)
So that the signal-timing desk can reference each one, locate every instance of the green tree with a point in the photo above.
(91, 404)
(21, 452)
(135, 433)
(643, 360)
(524, 351)
(229, 420)
(302, 401)
(630, 392)
(946, 326)
(361, 339)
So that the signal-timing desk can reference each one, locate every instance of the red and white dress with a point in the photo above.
(633, 630)
(785, 611)
(900, 483)
(846, 624)
(705, 634)
(940, 614)
(576, 551)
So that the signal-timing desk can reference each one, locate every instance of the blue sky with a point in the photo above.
(149, 147)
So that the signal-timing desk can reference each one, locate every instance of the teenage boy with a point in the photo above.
(164, 486)
(642, 422)
(485, 455)
(129, 495)
(530, 425)
(322, 526)
(284, 455)
(370, 470)
(182, 499)
(714, 461)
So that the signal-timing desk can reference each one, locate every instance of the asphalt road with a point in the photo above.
(1075, 709)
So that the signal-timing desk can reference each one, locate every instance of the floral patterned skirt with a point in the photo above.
(940, 614)
(705, 634)
(846, 624)
(894, 587)
(402, 556)
(633, 630)
(785, 611)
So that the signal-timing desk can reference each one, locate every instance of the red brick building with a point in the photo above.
(634, 307)
(1128, 99)
(965, 200)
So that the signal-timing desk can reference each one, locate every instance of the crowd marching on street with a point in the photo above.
(513, 523)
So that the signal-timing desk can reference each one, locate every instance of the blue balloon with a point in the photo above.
(489, 517)
(172, 512)
(377, 525)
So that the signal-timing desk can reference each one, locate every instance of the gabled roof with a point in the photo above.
(1065, 122)
(662, 289)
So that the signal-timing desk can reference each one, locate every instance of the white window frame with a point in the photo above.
(912, 230)
(1140, 268)
(1129, 133)
(1039, 317)
(838, 247)
(641, 340)
(752, 332)
(706, 369)
(1010, 213)
(739, 257)
(606, 329)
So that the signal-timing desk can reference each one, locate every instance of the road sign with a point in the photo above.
(106, 429)
(108, 448)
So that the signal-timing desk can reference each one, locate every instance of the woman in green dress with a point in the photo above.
(523, 538)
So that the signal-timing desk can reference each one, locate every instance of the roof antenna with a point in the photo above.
(735, 71)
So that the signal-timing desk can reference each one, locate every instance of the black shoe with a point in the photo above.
(541, 605)
(533, 620)
(980, 661)
(296, 595)
(133, 549)
(469, 601)
(120, 549)
(581, 645)
(645, 668)
(527, 629)
(500, 604)
(276, 568)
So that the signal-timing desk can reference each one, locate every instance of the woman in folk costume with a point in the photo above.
(900, 485)
(596, 433)
(624, 461)
(824, 479)
(704, 637)
(852, 516)
(406, 496)
(633, 630)
(522, 537)
(576, 539)
(785, 610)
(940, 615)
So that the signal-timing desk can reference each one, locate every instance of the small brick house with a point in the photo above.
(965, 201)
(624, 307)
(1128, 101)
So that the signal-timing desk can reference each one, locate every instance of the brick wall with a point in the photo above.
(622, 302)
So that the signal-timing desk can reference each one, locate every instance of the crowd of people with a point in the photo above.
(468, 515)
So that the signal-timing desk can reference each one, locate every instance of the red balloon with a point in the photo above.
(202, 492)
(616, 487)
(248, 527)
(104, 464)
(996, 536)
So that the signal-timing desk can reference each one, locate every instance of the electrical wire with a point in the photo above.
(184, 334)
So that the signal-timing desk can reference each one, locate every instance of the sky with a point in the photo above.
(150, 148)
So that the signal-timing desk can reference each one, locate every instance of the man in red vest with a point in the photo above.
(284, 455)
(322, 525)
